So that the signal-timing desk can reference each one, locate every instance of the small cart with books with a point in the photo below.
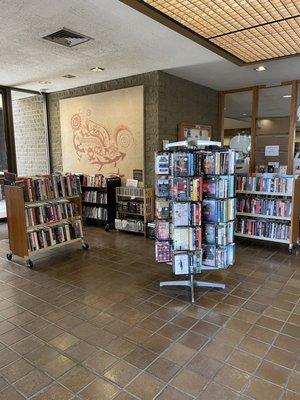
(43, 213)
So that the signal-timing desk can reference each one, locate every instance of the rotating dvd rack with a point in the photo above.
(195, 210)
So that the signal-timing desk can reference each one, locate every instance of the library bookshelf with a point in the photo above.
(19, 230)
(135, 208)
(101, 209)
(292, 219)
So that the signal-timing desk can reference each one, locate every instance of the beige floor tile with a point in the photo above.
(145, 386)
(189, 382)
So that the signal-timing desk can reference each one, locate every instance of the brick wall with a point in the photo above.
(181, 100)
(168, 100)
(30, 136)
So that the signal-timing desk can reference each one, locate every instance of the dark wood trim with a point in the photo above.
(19, 90)
(221, 116)
(242, 89)
(170, 23)
(292, 127)
(255, 94)
(9, 131)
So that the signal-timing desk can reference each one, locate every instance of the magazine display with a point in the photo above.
(195, 210)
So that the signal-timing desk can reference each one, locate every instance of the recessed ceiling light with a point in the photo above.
(43, 89)
(244, 114)
(97, 69)
(45, 82)
(286, 96)
(261, 68)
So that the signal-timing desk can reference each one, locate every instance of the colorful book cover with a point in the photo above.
(181, 264)
(162, 164)
(163, 252)
(210, 187)
(180, 188)
(181, 238)
(181, 164)
(181, 214)
(210, 210)
(162, 209)
(210, 233)
(162, 187)
(196, 262)
(162, 230)
(209, 255)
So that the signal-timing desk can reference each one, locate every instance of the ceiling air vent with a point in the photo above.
(67, 38)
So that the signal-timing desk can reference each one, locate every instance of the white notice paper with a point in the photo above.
(272, 151)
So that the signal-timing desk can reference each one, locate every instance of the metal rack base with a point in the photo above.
(192, 283)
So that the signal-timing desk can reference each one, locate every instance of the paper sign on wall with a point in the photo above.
(272, 151)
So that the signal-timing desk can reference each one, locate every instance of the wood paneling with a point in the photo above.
(253, 129)
(16, 220)
(292, 127)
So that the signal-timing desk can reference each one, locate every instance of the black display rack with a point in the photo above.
(109, 205)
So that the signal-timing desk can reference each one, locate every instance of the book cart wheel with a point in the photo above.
(290, 249)
(9, 256)
(85, 246)
(106, 227)
(29, 264)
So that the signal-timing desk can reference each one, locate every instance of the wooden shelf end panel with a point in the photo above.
(295, 225)
(16, 221)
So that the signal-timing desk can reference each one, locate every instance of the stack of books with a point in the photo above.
(264, 228)
(266, 183)
(96, 213)
(264, 206)
(48, 187)
(53, 211)
(94, 180)
(93, 196)
(130, 207)
(52, 235)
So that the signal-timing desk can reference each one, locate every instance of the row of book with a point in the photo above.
(186, 214)
(218, 210)
(46, 237)
(186, 189)
(191, 262)
(130, 191)
(220, 187)
(98, 213)
(130, 207)
(266, 183)
(50, 212)
(93, 196)
(48, 187)
(190, 163)
(220, 257)
(187, 263)
(220, 234)
(183, 238)
(263, 228)
(264, 206)
(130, 225)
(94, 180)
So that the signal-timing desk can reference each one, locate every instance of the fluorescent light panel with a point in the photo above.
(251, 30)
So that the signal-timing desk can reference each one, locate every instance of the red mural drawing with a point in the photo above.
(93, 140)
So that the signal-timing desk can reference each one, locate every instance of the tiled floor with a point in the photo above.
(94, 325)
